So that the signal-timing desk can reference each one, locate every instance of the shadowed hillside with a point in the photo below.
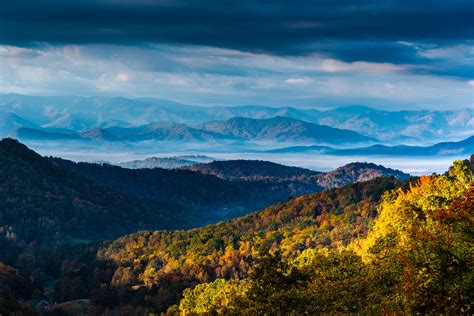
(40, 200)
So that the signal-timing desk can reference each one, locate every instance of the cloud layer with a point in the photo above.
(299, 52)
(204, 75)
(277, 27)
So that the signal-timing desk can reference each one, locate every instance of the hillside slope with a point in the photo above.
(209, 197)
(224, 189)
(164, 131)
(295, 252)
(462, 147)
(40, 200)
(416, 259)
(327, 218)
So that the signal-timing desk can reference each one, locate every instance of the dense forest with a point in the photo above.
(229, 250)
(378, 246)
(373, 247)
(207, 197)
(42, 202)
(222, 190)
(417, 257)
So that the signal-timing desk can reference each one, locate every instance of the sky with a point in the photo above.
(324, 53)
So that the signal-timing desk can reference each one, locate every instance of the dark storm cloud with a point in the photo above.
(372, 28)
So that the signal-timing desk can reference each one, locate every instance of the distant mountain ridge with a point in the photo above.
(278, 129)
(164, 131)
(460, 148)
(283, 129)
(82, 113)
(46, 134)
(463, 147)
(402, 126)
(10, 122)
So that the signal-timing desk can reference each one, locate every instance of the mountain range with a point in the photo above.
(278, 129)
(463, 147)
(59, 199)
(85, 113)
(283, 129)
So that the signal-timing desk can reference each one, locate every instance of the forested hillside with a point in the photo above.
(378, 246)
(52, 200)
(210, 197)
(225, 189)
(166, 162)
(41, 201)
(228, 250)
(416, 258)
(311, 254)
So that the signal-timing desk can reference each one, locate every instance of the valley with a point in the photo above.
(100, 237)
(114, 154)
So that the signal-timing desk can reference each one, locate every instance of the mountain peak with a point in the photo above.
(358, 172)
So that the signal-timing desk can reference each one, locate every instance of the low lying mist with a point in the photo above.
(116, 153)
